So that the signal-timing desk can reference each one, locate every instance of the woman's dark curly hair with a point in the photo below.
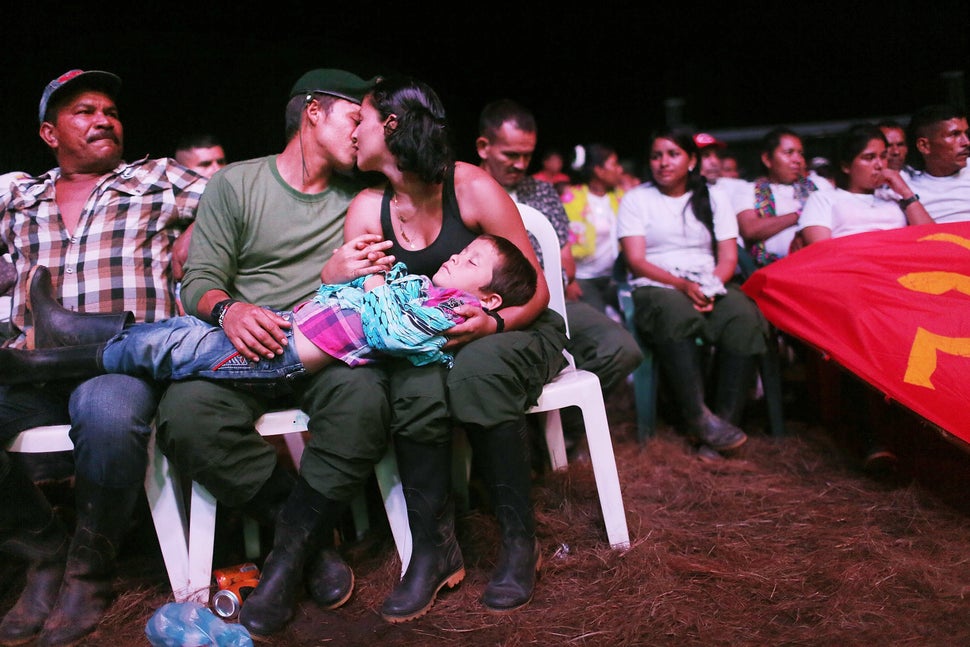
(418, 136)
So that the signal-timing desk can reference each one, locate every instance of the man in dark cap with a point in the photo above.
(106, 229)
(266, 227)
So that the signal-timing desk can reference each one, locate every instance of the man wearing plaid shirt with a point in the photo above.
(107, 230)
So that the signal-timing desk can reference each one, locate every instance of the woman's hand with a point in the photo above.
(896, 182)
(359, 256)
(477, 324)
(693, 291)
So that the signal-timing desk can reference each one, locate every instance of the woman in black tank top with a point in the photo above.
(431, 208)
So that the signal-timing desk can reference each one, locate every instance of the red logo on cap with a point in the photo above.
(67, 76)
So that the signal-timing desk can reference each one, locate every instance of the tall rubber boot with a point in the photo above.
(30, 530)
(329, 579)
(436, 559)
(26, 366)
(103, 516)
(504, 459)
(735, 377)
(55, 326)
(305, 514)
(682, 371)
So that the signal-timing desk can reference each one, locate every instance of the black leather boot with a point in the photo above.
(681, 368)
(55, 326)
(503, 456)
(305, 514)
(30, 530)
(735, 377)
(329, 579)
(103, 516)
(436, 559)
(26, 366)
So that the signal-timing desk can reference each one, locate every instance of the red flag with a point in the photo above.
(893, 307)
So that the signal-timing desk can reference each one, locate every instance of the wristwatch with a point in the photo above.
(905, 202)
(499, 322)
(218, 314)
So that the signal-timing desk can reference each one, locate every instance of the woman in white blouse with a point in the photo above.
(679, 238)
(861, 203)
(870, 197)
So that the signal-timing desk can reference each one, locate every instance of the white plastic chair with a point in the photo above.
(572, 387)
(167, 515)
(289, 423)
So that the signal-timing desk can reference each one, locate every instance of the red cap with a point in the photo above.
(703, 140)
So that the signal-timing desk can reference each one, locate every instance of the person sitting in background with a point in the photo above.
(629, 177)
(768, 216)
(712, 168)
(392, 314)
(551, 164)
(896, 148)
(507, 138)
(729, 167)
(591, 207)
(939, 172)
(679, 238)
(821, 172)
(202, 153)
(709, 148)
(855, 207)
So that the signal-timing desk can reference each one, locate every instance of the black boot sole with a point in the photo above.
(451, 582)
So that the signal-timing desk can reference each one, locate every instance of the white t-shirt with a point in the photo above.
(737, 189)
(845, 213)
(946, 199)
(785, 202)
(675, 240)
(599, 213)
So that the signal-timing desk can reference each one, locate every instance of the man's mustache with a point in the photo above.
(106, 134)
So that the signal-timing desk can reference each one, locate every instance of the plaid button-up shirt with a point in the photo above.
(119, 256)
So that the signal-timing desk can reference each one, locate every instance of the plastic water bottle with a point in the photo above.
(191, 624)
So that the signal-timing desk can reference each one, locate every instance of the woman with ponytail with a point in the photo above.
(679, 238)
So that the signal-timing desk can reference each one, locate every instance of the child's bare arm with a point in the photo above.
(373, 281)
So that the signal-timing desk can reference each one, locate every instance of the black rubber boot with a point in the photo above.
(735, 377)
(329, 579)
(30, 530)
(436, 559)
(304, 516)
(103, 516)
(27, 366)
(503, 456)
(55, 326)
(681, 368)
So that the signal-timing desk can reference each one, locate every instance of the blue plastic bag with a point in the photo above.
(191, 624)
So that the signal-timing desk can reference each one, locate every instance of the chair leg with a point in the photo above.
(645, 396)
(555, 441)
(771, 381)
(604, 470)
(392, 491)
(169, 517)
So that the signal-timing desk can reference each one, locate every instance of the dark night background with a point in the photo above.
(599, 71)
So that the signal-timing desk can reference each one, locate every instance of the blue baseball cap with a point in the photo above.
(92, 79)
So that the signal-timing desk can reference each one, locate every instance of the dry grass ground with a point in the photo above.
(786, 544)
